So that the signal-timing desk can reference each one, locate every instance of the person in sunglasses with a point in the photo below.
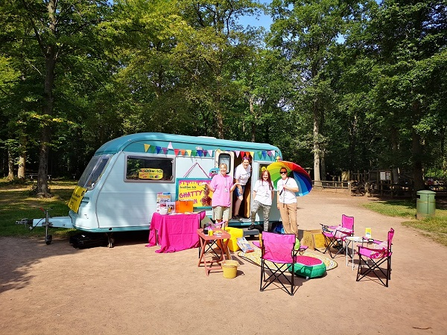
(286, 202)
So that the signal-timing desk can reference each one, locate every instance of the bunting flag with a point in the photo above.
(209, 153)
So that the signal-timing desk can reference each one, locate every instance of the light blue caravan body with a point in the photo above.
(118, 189)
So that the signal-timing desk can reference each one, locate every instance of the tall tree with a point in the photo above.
(410, 39)
(306, 31)
(216, 44)
(44, 33)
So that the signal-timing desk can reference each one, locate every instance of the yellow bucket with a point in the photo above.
(229, 268)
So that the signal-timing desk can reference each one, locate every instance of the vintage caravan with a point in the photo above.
(120, 187)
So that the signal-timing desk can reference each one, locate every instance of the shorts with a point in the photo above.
(220, 212)
(238, 193)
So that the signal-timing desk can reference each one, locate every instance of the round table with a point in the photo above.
(350, 240)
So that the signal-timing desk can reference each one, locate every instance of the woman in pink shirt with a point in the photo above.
(222, 187)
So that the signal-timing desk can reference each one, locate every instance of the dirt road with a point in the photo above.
(130, 289)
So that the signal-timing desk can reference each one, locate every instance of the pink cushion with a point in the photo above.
(308, 261)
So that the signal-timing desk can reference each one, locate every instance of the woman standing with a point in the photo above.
(262, 197)
(286, 202)
(241, 175)
(222, 186)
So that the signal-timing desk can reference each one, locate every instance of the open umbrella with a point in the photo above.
(300, 175)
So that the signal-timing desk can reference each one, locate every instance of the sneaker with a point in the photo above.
(252, 226)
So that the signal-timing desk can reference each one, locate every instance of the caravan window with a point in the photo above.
(225, 159)
(149, 168)
(93, 171)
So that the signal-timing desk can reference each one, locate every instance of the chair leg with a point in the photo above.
(276, 275)
(330, 243)
(371, 269)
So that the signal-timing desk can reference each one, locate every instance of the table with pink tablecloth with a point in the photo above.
(175, 232)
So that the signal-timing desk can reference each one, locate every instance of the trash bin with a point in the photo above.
(425, 204)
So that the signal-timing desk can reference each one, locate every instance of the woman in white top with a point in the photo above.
(286, 202)
(241, 175)
(262, 197)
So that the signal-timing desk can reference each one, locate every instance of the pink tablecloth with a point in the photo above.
(175, 232)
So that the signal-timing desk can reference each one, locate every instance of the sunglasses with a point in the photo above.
(283, 172)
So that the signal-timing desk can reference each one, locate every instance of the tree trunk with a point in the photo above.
(417, 153)
(22, 158)
(48, 99)
(418, 175)
(21, 168)
(395, 151)
(253, 124)
(10, 166)
(317, 163)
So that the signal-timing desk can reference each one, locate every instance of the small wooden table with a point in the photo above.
(209, 257)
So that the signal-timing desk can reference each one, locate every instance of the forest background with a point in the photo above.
(336, 85)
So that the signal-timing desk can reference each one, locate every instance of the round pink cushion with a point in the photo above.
(308, 261)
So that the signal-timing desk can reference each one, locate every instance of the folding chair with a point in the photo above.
(277, 253)
(334, 236)
(372, 257)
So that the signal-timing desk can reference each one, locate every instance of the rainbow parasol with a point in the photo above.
(300, 175)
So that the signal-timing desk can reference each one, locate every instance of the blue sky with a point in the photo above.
(262, 21)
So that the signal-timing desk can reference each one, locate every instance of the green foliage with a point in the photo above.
(336, 85)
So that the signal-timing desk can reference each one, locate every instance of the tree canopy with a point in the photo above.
(338, 86)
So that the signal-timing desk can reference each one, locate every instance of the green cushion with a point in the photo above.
(308, 267)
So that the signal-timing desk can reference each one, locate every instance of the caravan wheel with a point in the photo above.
(48, 239)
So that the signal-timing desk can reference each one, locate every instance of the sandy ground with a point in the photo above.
(131, 289)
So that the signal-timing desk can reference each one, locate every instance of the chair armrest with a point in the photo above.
(372, 252)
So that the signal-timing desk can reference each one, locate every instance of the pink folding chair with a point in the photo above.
(335, 236)
(278, 253)
(372, 257)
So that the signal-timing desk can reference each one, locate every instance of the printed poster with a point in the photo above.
(195, 190)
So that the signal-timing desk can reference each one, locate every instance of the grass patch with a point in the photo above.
(397, 208)
(17, 202)
(434, 227)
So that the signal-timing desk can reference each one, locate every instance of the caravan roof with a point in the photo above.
(132, 143)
